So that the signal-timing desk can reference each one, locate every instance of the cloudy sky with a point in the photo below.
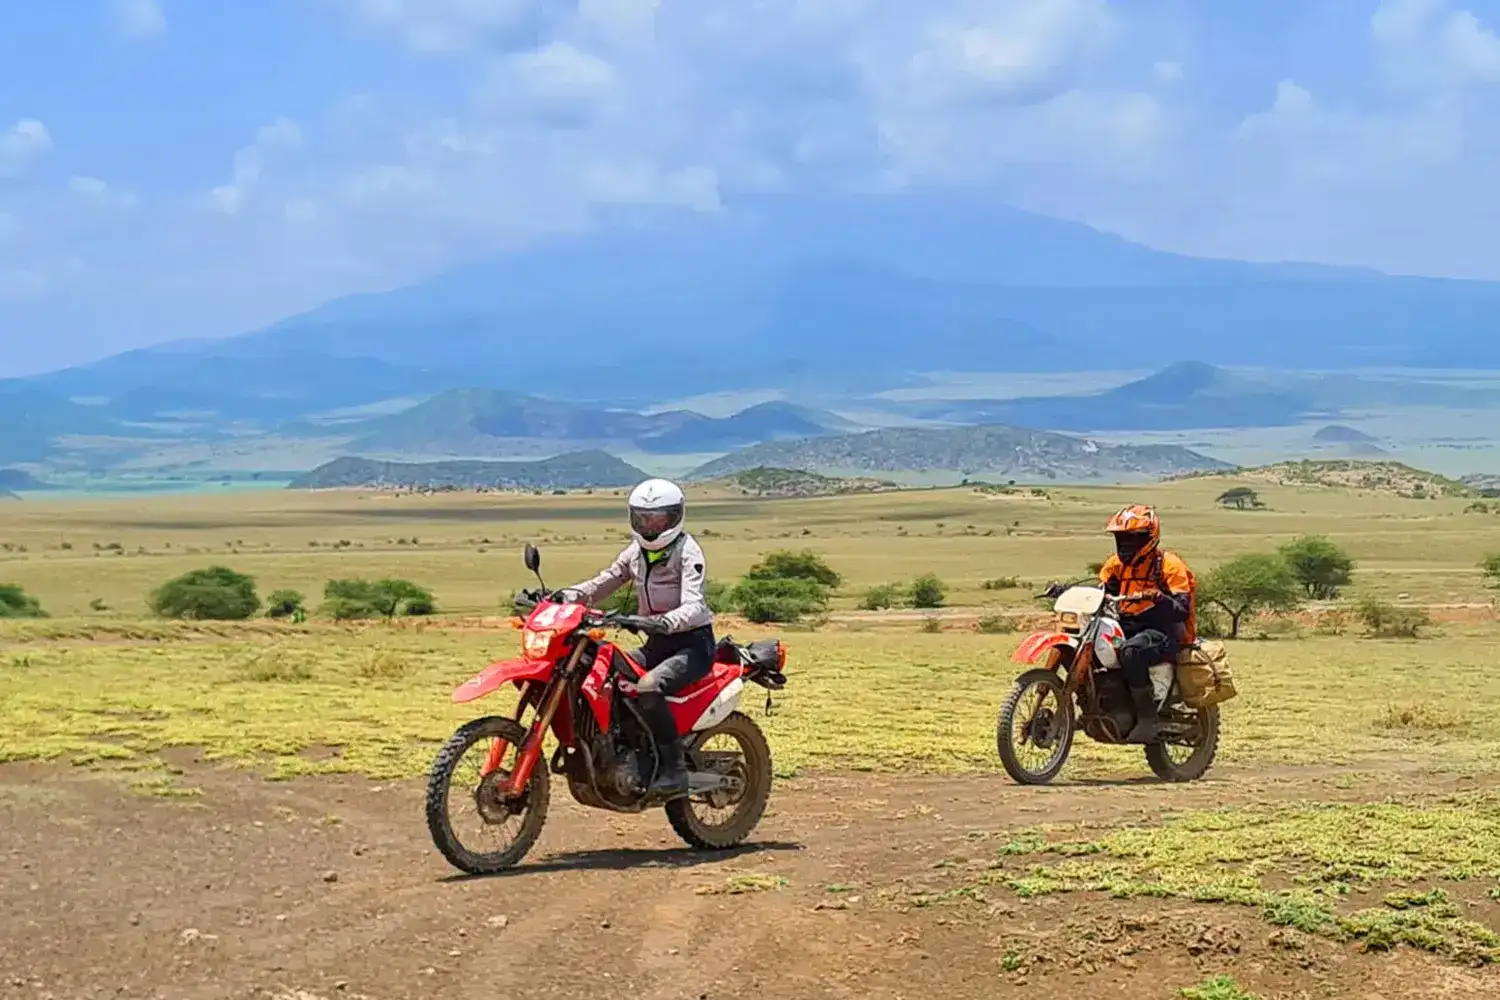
(185, 168)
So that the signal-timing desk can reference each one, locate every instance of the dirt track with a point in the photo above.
(330, 888)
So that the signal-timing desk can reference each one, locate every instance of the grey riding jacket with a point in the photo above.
(670, 589)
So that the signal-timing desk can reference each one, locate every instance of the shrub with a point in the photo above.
(347, 600)
(886, 595)
(1239, 498)
(98, 604)
(1422, 715)
(778, 600)
(1334, 622)
(932, 624)
(1248, 585)
(1002, 583)
(786, 565)
(16, 603)
(276, 665)
(384, 664)
(997, 624)
(284, 603)
(1384, 620)
(927, 591)
(213, 594)
(1490, 566)
(1321, 567)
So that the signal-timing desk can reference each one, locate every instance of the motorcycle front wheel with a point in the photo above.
(1034, 730)
(491, 833)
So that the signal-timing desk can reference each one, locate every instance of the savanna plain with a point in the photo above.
(198, 809)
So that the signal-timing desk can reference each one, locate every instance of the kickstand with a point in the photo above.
(768, 701)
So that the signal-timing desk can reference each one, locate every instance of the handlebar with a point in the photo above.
(529, 599)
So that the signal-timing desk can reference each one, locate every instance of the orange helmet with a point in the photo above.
(1137, 532)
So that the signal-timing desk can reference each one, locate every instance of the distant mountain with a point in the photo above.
(31, 420)
(786, 483)
(1194, 395)
(1339, 434)
(839, 293)
(974, 452)
(1395, 478)
(580, 470)
(483, 421)
(17, 479)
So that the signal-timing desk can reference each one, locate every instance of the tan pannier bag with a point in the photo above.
(1203, 675)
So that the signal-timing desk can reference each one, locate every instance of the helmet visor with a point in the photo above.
(652, 524)
(1129, 544)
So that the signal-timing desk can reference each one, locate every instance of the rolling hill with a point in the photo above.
(579, 470)
(973, 452)
(482, 421)
(839, 293)
(1195, 395)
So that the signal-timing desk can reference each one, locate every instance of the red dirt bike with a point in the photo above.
(1080, 676)
(581, 689)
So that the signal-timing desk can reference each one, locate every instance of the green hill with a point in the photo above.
(579, 470)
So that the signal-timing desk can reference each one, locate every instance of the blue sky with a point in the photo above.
(185, 168)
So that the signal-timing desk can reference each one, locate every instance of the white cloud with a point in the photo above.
(139, 19)
(439, 26)
(21, 144)
(558, 82)
(250, 162)
(98, 192)
(1428, 45)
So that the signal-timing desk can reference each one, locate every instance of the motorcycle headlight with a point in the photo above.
(1068, 619)
(536, 642)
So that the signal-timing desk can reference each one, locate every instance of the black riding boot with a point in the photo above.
(1147, 721)
(672, 777)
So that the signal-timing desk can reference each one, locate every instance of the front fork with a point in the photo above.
(531, 750)
(499, 746)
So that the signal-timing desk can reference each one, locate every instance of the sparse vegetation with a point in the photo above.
(1490, 566)
(351, 600)
(927, 591)
(1383, 620)
(1240, 498)
(881, 597)
(1249, 585)
(16, 603)
(284, 604)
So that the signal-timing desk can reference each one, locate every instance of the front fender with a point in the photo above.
(497, 675)
(1039, 644)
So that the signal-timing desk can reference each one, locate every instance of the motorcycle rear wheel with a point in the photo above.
(1058, 720)
(745, 806)
(493, 811)
(1195, 764)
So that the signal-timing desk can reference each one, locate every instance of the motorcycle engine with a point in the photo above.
(1116, 710)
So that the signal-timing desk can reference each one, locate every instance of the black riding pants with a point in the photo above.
(1139, 653)
(672, 662)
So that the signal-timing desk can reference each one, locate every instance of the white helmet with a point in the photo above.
(656, 512)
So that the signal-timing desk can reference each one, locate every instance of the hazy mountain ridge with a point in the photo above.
(975, 452)
(578, 470)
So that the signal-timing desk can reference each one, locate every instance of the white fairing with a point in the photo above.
(1082, 601)
(1110, 636)
(719, 709)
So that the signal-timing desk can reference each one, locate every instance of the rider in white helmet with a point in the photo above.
(667, 567)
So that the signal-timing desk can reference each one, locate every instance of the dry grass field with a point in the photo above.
(1346, 844)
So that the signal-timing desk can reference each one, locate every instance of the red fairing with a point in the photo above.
(595, 691)
(497, 675)
(689, 704)
(559, 617)
(1037, 644)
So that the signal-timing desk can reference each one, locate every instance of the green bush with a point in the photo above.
(1002, 583)
(927, 591)
(779, 600)
(786, 565)
(887, 595)
(213, 594)
(1384, 620)
(16, 603)
(348, 600)
(997, 624)
(1490, 566)
(284, 604)
(1321, 567)
(932, 624)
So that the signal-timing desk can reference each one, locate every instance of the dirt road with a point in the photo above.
(330, 888)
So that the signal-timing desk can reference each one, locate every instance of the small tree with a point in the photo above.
(1240, 498)
(786, 565)
(1321, 567)
(213, 594)
(284, 604)
(879, 598)
(927, 591)
(1490, 565)
(1251, 584)
(347, 600)
(779, 600)
(16, 603)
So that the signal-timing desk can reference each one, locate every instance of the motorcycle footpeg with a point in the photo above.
(700, 783)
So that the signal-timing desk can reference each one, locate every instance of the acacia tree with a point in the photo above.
(1240, 498)
(1321, 567)
(1251, 584)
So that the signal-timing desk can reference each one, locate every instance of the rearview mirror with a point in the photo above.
(532, 556)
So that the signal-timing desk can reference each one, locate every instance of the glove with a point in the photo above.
(652, 626)
(563, 597)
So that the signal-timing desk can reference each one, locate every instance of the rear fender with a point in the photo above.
(1040, 646)
(497, 675)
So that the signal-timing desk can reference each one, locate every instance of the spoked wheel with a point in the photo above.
(473, 824)
(1187, 757)
(718, 820)
(1034, 732)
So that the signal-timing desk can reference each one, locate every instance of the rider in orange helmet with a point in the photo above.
(1156, 607)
